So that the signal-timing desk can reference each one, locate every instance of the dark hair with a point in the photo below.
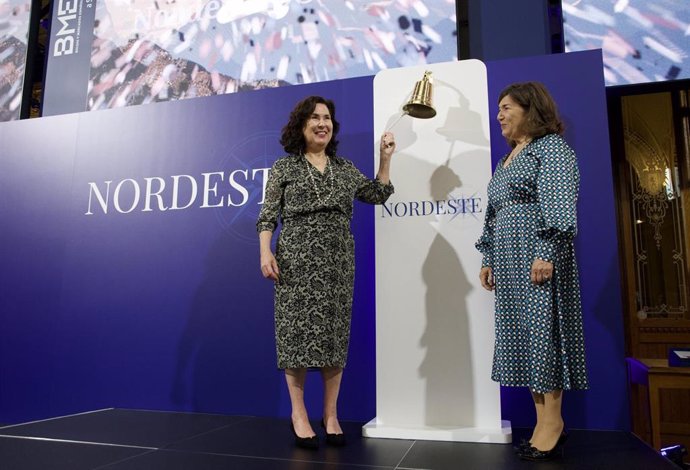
(292, 137)
(541, 112)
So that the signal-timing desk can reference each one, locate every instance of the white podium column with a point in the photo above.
(434, 322)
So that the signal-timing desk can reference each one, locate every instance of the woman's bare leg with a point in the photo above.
(332, 377)
(296, 379)
(538, 399)
(551, 425)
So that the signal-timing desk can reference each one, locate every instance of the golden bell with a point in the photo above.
(420, 105)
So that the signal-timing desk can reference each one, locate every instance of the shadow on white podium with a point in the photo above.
(434, 322)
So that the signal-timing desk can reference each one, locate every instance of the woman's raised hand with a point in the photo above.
(387, 146)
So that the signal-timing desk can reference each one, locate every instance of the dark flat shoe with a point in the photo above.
(335, 440)
(536, 455)
(305, 442)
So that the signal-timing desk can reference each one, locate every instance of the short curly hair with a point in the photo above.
(541, 112)
(292, 136)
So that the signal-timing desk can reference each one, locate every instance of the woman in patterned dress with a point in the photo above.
(529, 260)
(312, 190)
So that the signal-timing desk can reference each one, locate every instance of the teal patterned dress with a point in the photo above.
(531, 214)
(315, 255)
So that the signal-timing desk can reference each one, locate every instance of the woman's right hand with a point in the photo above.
(486, 277)
(269, 266)
(387, 146)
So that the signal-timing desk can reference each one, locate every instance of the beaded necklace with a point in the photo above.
(313, 180)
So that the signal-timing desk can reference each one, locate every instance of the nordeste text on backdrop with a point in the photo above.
(452, 206)
(214, 190)
(181, 193)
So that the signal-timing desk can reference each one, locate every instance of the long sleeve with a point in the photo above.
(273, 200)
(371, 191)
(557, 187)
(485, 244)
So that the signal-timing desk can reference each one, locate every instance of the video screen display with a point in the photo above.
(14, 32)
(157, 50)
(641, 40)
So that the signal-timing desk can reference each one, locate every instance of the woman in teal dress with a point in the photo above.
(529, 261)
(312, 190)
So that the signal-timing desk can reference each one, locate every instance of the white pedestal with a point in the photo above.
(440, 433)
(434, 322)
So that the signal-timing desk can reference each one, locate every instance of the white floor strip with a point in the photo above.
(56, 417)
(69, 441)
(403, 457)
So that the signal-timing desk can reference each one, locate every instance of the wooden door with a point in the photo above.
(650, 139)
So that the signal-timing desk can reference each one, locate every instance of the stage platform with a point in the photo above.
(118, 439)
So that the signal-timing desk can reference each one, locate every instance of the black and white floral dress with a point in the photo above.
(315, 254)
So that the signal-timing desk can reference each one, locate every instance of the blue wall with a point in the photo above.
(166, 309)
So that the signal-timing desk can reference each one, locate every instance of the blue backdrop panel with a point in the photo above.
(161, 309)
(148, 306)
(34, 203)
(577, 85)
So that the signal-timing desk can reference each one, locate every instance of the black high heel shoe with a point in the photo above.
(525, 444)
(305, 442)
(335, 440)
(536, 455)
(522, 446)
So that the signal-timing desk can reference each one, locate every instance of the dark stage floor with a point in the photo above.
(118, 439)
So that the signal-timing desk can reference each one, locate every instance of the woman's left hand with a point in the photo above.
(541, 271)
(387, 146)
